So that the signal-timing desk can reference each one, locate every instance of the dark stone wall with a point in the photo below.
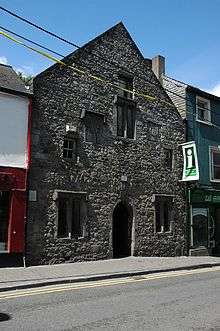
(60, 96)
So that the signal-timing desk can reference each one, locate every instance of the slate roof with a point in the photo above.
(9, 80)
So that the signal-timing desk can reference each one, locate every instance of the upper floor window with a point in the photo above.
(94, 127)
(215, 164)
(153, 131)
(69, 148)
(168, 158)
(203, 111)
(126, 84)
(126, 120)
(163, 213)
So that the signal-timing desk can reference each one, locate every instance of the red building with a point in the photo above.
(15, 113)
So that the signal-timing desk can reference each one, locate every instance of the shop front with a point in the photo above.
(12, 213)
(204, 222)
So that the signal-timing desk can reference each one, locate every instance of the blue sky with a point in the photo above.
(186, 32)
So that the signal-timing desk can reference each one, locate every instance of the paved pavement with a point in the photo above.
(15, 278)
(181, 301)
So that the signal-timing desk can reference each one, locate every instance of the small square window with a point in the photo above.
(71, 215)
(215, 164)
(153, 131)
(203, 111)
(168, 158)
(69, 148)
(163, 213)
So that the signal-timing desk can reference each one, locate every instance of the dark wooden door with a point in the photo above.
(217, 232)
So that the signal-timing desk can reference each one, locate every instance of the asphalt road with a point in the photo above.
(171, 301)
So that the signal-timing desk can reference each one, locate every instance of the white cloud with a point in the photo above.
(215, 90)
(25, 70)
(3, 60)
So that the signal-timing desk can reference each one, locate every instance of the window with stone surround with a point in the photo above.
(126, 107)
(126, 118)
(71, 214)
(126, 84)
(168, 158)
(163, 213)
(94, 126)
(153, 130)
(69, 148)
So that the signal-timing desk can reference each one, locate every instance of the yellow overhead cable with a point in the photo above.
(107, 82)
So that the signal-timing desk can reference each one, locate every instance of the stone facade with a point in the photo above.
(113, 168)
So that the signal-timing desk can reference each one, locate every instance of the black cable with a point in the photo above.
(60, 38)
(75, 45)
(70, 43)
(84, 66)
(38, 27)
(61, 55)
(31, 41)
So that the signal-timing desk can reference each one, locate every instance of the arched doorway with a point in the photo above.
(122, 228)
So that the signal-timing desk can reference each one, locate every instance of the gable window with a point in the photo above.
(126, 84)
(71, 215)
(168, 158)
(163, 213)
(215, 164)
(69, 148)
(94, 127)
(126, 108)
(203, 111)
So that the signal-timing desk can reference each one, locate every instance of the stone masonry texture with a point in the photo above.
(60, 97)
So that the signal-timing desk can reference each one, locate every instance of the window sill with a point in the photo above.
(72, 238)
(164, 232)
(204, 122)
(72, 162)
(69, 160)
(92, 143)
(168, 169)
(124, 140)
(215, 180)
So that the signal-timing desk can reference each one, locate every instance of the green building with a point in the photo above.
(201, 155)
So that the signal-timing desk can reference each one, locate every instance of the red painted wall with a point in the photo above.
(15, 181)
(17, 220)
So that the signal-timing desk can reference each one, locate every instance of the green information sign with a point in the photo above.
(190, 168)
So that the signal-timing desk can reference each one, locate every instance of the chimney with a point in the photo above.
(158, 66)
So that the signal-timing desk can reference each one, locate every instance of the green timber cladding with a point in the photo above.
(201, 112)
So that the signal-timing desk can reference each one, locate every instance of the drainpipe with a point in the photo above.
(27, 178)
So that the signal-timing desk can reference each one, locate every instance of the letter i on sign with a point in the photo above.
(189, 156)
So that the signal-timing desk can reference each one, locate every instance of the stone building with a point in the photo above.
(106, 161)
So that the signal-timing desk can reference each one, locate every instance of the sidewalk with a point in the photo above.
(20, 278)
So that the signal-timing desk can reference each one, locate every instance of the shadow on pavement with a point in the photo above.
(4, 317)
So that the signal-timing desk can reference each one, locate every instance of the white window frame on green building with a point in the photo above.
(213, 149)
